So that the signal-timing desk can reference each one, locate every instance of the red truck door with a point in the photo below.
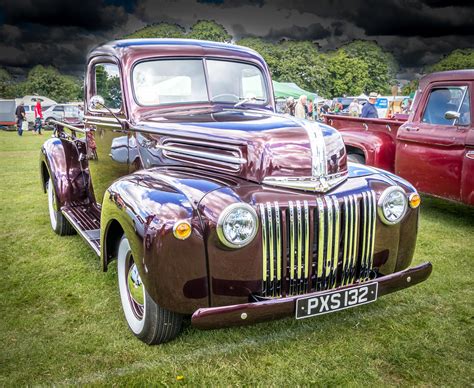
(431, 148)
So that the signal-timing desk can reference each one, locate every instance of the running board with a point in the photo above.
(86, 221)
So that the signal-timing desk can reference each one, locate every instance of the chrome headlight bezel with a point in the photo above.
(382, 200)
(223, 217)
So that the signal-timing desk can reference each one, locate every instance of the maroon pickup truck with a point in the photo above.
(434, 148)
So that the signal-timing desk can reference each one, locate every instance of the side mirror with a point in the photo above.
(96, 102)
(452, 115)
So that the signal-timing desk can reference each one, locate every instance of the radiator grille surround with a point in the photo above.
(317, 246)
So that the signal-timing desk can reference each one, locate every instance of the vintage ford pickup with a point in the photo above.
(434, 148)
(213, 205)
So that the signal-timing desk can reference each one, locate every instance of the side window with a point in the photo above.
(444, 99)
(58, 109)
(107, 84)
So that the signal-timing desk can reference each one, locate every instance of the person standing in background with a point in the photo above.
(354, 108)
(310, 110)
(369, 110)
(289, 106)
(300, 109)
(38, 117)
(20, 117)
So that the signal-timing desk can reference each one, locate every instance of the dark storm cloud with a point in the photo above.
(90, 14)
(60, 32)
(311, 32)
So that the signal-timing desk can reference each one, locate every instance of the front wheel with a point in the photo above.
(59, 223)
(148, 321)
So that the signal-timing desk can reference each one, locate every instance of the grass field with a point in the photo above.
(61, 321)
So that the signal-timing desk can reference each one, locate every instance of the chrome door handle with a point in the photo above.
(412, 129)
(470, 154)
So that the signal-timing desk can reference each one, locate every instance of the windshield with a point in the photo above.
(174, 81)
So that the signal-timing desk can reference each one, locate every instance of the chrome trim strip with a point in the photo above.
(68, 126)
(264, 248)
(314, 184)
(346, 240)
(292, 244)
(300, 239)
(104, 124)
(329, 240)
(307, 263)
(278, 240)
(337, 226)
(365, 228)
(202, 154)
(321, 258)
(374, 219)
(271, 244)
(355, 251)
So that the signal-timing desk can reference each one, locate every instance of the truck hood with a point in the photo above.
(258, 146)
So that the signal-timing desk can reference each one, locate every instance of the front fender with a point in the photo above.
(378, 147)
(59, 160)
(147, 204)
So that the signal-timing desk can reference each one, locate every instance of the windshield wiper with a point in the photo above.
(248, 99)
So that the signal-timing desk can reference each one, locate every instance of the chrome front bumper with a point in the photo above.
(250, 313)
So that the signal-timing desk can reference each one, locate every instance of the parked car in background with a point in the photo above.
(215, 206)
(70, 113)
(7, 114)
(30, 102)
(434, 148)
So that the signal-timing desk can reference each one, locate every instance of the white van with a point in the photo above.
(30, 102)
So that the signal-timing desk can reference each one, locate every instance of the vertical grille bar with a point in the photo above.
(329, 240)
(321, 273)
(300, 242)
(306, 245)
(264, 248)
(374, 219)
(365, 227)
(355, 247)
(271, 250)
(337, 231)
(278, 243)
(347, 238)
(292, 246)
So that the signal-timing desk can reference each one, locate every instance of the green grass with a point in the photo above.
(61, 320)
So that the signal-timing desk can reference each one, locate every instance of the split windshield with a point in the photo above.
(174, 81)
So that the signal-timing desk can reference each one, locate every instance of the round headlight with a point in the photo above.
(392, 205)
(237, 225)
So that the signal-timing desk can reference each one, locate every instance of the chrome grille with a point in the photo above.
(312, 248)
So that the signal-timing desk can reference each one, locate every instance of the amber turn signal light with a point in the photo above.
(182, 230)
(414, 200)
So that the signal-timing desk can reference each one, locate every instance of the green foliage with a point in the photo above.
(7, 88)
(209, 30)
(108, 87)
(457, 60)
(347, 75)
(161, 30)
(49, 82)
(381, 65)
(410, 87)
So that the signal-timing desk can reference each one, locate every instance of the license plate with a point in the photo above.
(336, 300)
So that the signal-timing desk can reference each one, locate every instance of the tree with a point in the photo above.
(48, 82)
(347, 75)
(209, 30)
(410, 87)
(456, 60)
(161, 30)
(381, 65)
(270, 52)
(7, 87)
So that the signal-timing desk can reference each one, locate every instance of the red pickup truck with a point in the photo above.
(434, 148)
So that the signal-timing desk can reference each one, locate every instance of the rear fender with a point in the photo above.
(147, 205)
(59, 160)
(378, 148)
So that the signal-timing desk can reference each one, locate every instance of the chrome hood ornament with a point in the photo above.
(321, 179)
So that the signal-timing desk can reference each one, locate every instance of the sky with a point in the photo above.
(61, 32)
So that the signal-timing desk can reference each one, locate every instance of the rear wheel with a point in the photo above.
(148, 321)
(59, 223)
(356, 158)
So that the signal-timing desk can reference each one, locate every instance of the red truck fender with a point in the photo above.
(378, 148)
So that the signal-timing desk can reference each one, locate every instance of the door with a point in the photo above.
(430, 149)
(107, 142)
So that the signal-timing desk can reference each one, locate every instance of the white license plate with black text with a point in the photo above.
(336, 300)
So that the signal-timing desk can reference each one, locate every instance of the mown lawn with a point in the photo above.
(61, 320)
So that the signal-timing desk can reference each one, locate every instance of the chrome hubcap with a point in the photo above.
(136, 290)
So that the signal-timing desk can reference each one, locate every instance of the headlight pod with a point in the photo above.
(392, 205)
(237, 225)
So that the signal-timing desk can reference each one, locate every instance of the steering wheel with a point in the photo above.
(223, 95)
